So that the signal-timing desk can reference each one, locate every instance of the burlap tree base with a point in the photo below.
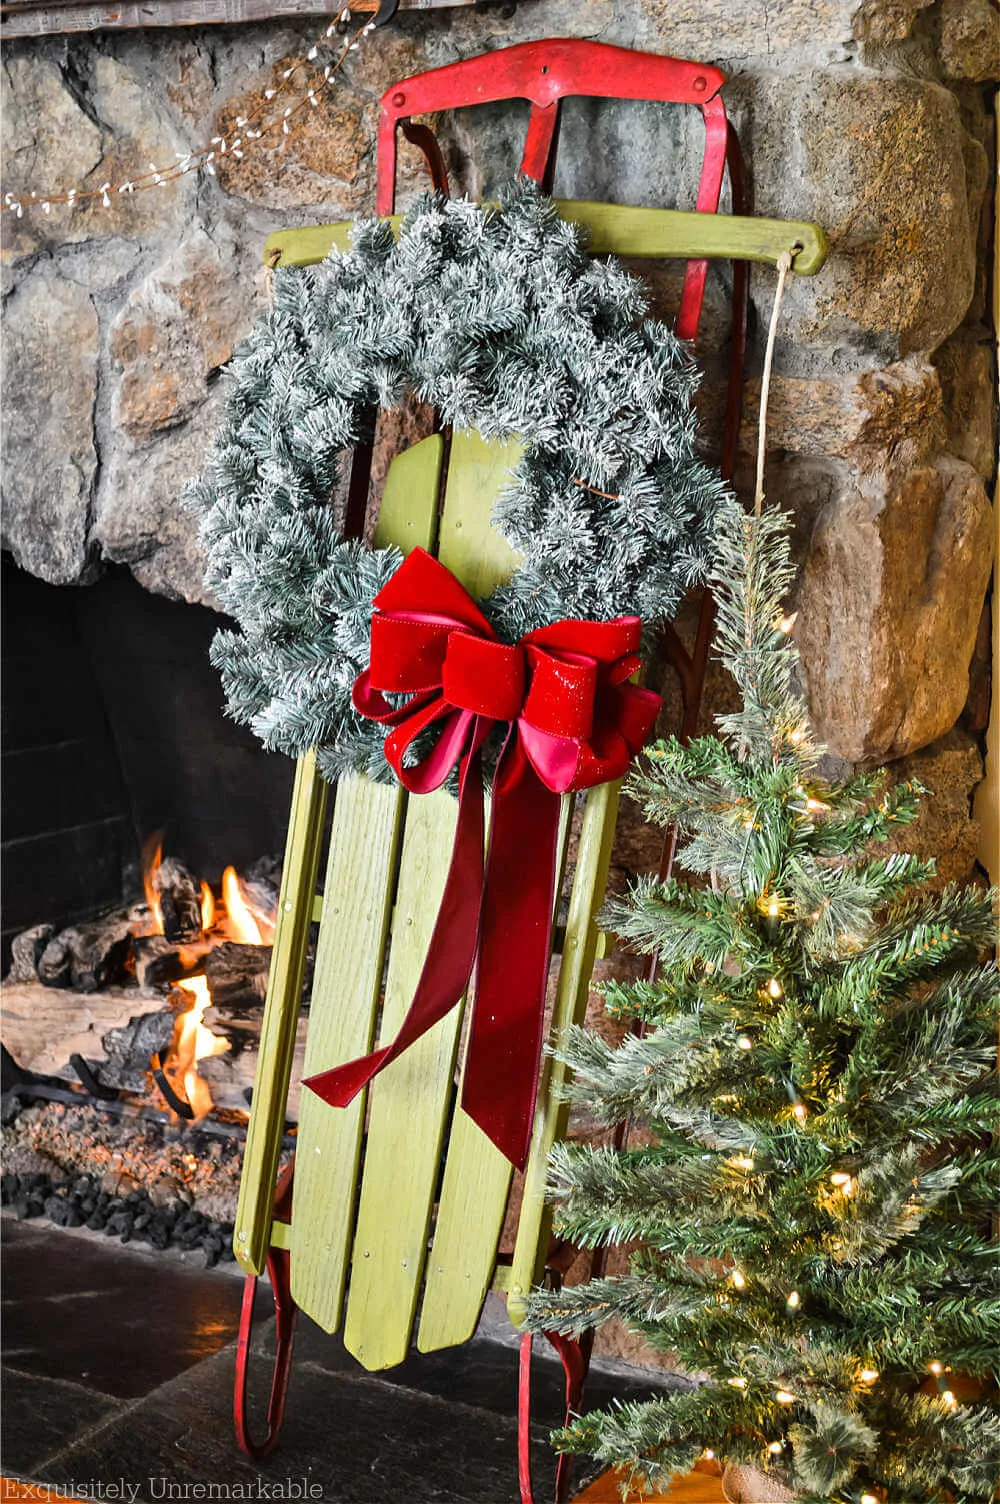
(745, 1485)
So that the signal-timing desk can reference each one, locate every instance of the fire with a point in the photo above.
(193, 1042)
(244, 914)
(152, 856)
(207, 907)
(242, 923)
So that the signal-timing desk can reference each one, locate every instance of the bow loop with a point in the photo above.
(407, 653)
(562, 697)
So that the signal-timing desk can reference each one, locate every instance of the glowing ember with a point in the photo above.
(241, 922)
(193, 1042)
(207, 907)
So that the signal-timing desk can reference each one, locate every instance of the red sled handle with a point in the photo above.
(544, 73)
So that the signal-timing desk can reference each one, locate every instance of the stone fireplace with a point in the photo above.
(872, 117)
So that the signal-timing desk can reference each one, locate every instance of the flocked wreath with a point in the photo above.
(498, 318)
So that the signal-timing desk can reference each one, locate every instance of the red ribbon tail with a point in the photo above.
(452, 949)
(505, 1037)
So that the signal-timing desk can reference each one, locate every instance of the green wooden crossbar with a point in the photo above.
(620, 230)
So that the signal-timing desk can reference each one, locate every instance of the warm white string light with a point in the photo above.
(248, 130)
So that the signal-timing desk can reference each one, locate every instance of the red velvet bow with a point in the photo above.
(573, 722)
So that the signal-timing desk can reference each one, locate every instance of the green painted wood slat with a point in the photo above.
(350, 955)
(265, 1129)
(412, 1100)
(461, 1265)
(620, 230)
(476, 1180)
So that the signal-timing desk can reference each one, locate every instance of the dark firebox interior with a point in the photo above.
(113, 728)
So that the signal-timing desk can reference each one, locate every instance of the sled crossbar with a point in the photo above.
(616, 230)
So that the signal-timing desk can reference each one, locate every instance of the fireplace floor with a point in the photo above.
(118, 1372)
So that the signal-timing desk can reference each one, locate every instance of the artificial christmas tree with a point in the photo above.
(814, 1213)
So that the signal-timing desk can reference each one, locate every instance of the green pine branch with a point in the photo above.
(812, 1216)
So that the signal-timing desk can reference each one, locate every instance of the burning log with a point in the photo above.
(115, 1032)
(230, 1076)
(237, 976)
(87, 957)
(180, 900)
(26, 952)
(159, 961)
(260, 886)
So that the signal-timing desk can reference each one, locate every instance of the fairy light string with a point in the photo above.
(250, 129)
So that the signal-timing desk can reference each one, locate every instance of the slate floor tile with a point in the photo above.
(96, 1314)
(350, 1440)
(122, 1377)
(42, 1415)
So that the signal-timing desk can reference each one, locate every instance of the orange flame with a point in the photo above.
(193, 1042)
(207, 908)
(242, 925)
(152, 856)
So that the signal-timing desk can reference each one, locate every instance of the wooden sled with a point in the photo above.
(390, 1225)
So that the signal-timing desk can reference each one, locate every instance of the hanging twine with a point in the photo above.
(784, 269)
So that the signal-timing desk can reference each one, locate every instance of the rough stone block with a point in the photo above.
(325, 159)
(889, 415)
(881, 21)
(882, 162)
(720, 30)
(950, 770)
(970, 40)
(49, 140)
(80, 121)
(889, 606)
(49, 454)
(140, 520)
(966, 372)
(179, 327)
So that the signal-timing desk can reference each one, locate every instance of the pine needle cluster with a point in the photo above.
(497, 317)
(813, 1216)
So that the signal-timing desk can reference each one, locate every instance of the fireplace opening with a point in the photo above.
(140, 887)
(114, 728)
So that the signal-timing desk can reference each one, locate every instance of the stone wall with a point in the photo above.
(869, 117)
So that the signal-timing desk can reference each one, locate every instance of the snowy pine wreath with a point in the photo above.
(497, 317)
